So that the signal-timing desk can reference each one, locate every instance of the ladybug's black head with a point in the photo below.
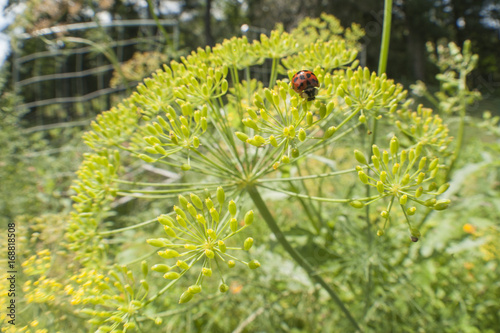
(310, 93)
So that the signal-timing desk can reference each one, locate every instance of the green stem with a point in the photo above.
(461, 126)
(271, 222)
(274, 73)
(386, 36)
(158, 24)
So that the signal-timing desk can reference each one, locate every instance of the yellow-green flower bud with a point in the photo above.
(257, 141)
(129, 326)
(362, 118)
(403, 199)
(443, 188)
(357, 204)
(363, 177)
(376, 151)
(168, 254)
(248, 122)
(192, 211)
(394, 145)
(309, 118)
(380, 187)
(221, 196)
(183, 201)
(146, 158)
(329, 107)
(254, 264)
(231, 263)
(406, 179)
(223, 288)
(258, 101)
(209, 253)
(171, 275)
(242, 136)
(196, 142)
(380, 232)
(151, 150)
(161, 268)
(420, 178)
(411, 211)
(329, 132)
(376, 162)
(180, 212)
(209, 203)
(252, 114)
(214, 214)
(157, 242)
(222, 246)
(370, 104)
(432, 187)
(404, 155)
(384, 214)
(182, 265)
(248, 244)
(181, 221)
(212, 233)
(233, 224)
(173, 138)
(185, 167)
(441, 204)
(295, 153)
(419, 192)
(430, 202)
(160, 149)
(185, 131)
(272, 141)
(395, 169)
(249, 217)
(204, 124)
(196, 201)
(166, 220)
(206, 271)
(422, 162)
(269, 95)
(144, 268)
(169, 231)
(348, 100)
(411, 155)
(340, 92)
(264, 114)
(190, 247)
(433, 164)
(302, 134)
(385, 157)
(360, 157)
(151, 129)
(232, 208)
(194, 289)
(185, 297)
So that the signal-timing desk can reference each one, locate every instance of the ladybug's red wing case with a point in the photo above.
(305, 84)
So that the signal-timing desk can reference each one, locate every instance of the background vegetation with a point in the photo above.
(448, 281)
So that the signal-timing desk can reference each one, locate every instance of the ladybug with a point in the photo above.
(305, 84)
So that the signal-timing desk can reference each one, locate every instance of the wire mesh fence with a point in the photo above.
(63, 73)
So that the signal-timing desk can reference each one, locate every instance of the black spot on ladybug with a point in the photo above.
(302, 77)
(295, 80)
(308, 75)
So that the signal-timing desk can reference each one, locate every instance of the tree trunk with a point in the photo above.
(209, 39)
